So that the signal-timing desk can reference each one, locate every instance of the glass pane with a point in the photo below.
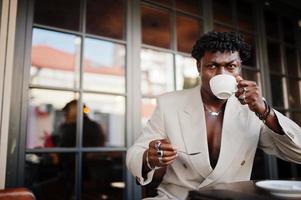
(51, 176)
(106, 115)
(294, 93)
(221, 28)
(104, 66)
(103, 176)
(101, 20)
(46, 117)
(291, 61)
(148, 107)
(188, 31)
(155, 27)
(250, 75)
(222, 11)
(271, 24)
(61, 14)
(277, 91)
(250, 39)
(55, 59)
(288, 29)
(296, 117)
(245, 15)
(187, 73)
(274, 57)
(191, 6)
(157, 74)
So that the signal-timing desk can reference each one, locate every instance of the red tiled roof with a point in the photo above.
(43, 56)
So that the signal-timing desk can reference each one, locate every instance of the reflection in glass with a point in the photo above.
(245, 16)
(45, 116)
(291, 61)
(222, 11)
(157, 74)
(62, 14)
(51, 176)
(101, 20)
(277, 90)
(188, 31)
(274, 57)
(288, 30)
(108, 112)
(104, 66)
(93, 135)
(191, 6)
(55, 59)
(296, 116)
(102, 176)
(250, 75)
(294, 93)
(187, 73)
(251, 62)
(148, 107)
(271, 24)
(155, 26)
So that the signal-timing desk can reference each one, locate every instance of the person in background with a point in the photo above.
(93, 135)
(201, 139)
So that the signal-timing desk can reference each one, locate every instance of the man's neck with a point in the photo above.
(211, 101)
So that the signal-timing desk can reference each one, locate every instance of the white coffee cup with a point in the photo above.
(223, 85)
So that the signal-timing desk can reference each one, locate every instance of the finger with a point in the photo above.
(168, 159)
(169, 153)
(165, 140)
(246, 83)
(167, 147)
(238, 79)
(167, 163)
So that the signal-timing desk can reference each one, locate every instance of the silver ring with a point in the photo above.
(160, 153)
(244, 90)
(242, 97)
(157, 145)
(160, 159)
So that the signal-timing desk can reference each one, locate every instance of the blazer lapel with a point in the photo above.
(235, 121)
(194, 134)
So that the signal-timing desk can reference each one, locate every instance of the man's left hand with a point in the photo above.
(249, 93)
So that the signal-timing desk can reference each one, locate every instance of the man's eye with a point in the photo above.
(232, 66)
(211, 66)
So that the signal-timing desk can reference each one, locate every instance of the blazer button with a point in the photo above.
(243, 162)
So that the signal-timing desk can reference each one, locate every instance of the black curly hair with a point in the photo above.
(221, 41)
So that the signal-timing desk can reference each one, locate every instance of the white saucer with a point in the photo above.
(291, 189)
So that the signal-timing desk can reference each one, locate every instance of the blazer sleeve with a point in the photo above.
(287, 146)
(153, 130)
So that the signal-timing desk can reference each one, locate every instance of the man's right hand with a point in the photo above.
(161, 153)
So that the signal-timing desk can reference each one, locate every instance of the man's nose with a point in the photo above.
(222, 70)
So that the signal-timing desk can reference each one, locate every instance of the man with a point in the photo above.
(203, 140)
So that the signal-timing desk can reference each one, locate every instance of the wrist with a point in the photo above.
(264, 115)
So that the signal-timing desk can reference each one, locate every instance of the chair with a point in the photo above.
(16, 194)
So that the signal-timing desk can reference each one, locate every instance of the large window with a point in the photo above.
(285, 75)
(169, 31)
(89, 62)
(75, 136)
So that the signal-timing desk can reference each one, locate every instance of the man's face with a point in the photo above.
(212, 64)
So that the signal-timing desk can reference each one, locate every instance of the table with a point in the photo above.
(244, 190)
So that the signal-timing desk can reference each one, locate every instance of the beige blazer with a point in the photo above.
(180, 117)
